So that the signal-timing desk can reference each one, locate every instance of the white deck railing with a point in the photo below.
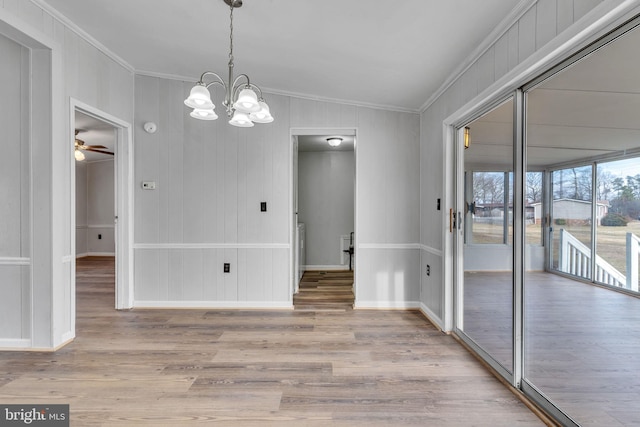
(633, 248)
(575, 258)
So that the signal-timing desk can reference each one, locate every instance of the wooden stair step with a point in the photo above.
(325, 290)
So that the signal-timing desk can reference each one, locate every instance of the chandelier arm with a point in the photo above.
(233, 89)
(211, 73)
(208, 85)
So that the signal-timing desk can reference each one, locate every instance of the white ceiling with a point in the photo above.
(373, 52)
(316, 143)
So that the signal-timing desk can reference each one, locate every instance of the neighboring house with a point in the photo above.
(573, 211)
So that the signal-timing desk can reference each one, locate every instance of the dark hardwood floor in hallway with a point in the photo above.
(256, 368)
(325, 290)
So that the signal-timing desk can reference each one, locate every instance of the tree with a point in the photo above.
(488, 187)
(534, 187)
(604, 189)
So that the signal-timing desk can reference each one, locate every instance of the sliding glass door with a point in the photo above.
(487, 228)
(548, 236)
(581, 338)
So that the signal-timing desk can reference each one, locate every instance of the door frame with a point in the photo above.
(123, 190)
(293, 153)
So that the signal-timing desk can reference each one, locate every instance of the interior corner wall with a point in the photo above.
(95, 208)
(100, 208)
(63, 65)
(81, 209)
(211, 177)
(538, 26)
(326, 183)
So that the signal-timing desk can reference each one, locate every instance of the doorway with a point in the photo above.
(95, 160)
(323, 195)
(105, 228)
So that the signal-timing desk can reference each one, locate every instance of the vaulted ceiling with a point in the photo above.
(374, 52)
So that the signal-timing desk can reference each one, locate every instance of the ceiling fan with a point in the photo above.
(80, 146)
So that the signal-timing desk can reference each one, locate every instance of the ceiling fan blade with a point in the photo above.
(98, 151)
(100, 147)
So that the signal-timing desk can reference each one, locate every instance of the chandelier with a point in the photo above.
(244, 107)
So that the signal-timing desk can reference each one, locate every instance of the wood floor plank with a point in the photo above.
(311, 368)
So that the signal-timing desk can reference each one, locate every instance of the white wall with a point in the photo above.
(211, 178)
(14, 191)
(530, 32)
(81, 209)
(326, 183)
(63, 65)
(95, 208)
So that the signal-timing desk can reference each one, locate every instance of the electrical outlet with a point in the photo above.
(428, 270)
(438, 205)
(263, 206)
(99, 236)
(227, 267)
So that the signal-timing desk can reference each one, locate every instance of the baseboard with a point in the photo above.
(14, 344)
(86, 254)
(325, 267)
(245, 305)
(431, 317)
(403, 305)
(66, 338)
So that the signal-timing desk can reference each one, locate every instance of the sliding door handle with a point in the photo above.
(451, 220)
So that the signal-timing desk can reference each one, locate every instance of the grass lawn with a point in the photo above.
(610, 241)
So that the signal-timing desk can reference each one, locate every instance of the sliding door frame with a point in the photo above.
(458, 229)
(581, 40)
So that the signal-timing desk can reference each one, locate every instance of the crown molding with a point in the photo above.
(500, 30)
(290, 94)
(82, 34)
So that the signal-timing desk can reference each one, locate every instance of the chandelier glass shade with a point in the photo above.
(243, 105)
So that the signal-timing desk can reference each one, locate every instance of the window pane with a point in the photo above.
(618, 211)
(488, 257)
(488, 208)
(533, 208)
(571, 221)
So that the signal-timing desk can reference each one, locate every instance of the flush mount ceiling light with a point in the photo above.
(334, 141)
(244, 107)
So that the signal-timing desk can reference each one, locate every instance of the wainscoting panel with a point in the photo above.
(387, 277)
(194, 277)
(14, 301)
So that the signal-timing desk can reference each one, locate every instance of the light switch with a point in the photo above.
(148, 185)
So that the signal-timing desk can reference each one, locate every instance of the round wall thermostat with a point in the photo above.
(150, 127)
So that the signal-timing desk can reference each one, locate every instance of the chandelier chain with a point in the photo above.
(231, 35)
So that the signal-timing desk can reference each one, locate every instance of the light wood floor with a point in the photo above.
(582, 342)
(256, 368)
